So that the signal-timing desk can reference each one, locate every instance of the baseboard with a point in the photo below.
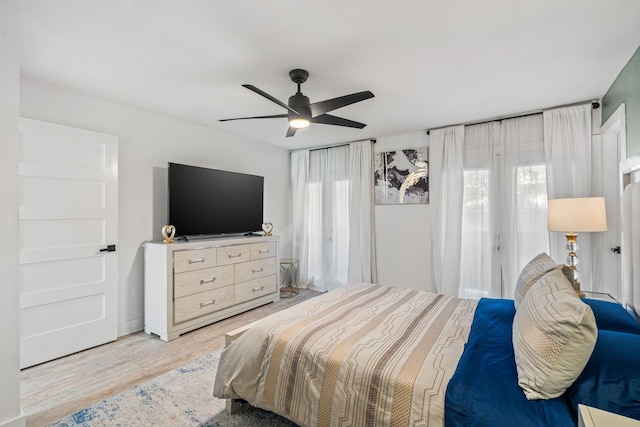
(131, 326)
(20, 421)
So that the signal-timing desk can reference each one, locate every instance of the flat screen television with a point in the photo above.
(205, 202)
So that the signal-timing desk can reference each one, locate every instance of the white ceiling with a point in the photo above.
(430, 63)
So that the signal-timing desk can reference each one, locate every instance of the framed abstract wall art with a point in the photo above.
(402, 177)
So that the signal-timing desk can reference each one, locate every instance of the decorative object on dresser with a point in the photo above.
(267, 227)
(168, 231)
(578, 214)
(192, 284)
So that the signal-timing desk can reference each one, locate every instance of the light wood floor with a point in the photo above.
(61, 387)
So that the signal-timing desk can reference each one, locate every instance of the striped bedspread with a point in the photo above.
(363, 355)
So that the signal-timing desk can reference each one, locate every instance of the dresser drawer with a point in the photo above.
(255, 269)
(194, 260)
(263, 250)
(195, 305)
(233, 254)
(256, 288)
(191, 282)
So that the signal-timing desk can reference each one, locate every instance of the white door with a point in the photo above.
(608, 151)
(68, 215)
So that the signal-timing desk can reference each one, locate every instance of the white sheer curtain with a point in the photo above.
(567, 148)
(362, 248)
(480, 270)
(333, 215)
(523, 197)
(504, 204)
(489, 197)
(300, 211)
(446, 188)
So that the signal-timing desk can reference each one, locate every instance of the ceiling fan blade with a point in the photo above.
(275, 116)
(291, 131)
(328, 119)
(269, 97)
(318, 108)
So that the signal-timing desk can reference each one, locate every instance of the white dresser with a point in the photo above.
(188, 285)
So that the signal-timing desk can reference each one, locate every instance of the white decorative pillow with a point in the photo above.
(554, 334)
(537, 267)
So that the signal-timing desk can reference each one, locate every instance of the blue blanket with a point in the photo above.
(484, 389)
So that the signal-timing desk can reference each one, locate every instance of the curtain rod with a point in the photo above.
(324, 147)
(594, 104)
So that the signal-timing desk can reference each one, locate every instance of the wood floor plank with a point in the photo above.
(55, 389)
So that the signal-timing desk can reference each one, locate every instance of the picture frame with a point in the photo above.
(402, 177)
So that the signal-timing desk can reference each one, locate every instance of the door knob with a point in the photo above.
(109, 248)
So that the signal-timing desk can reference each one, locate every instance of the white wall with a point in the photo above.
(147, 142)
(403, 232)
(10, 411)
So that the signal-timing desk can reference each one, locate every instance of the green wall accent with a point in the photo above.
(626, 88)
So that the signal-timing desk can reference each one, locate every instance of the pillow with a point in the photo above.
(537, 267)
(553, 336)
(611, 316)
(611, 379)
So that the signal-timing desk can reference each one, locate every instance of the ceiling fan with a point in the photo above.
(300, 112)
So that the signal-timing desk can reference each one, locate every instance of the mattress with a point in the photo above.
(360, 355)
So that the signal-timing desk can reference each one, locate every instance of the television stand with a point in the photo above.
(188, 285)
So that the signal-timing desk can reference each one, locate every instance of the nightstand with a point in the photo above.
(593, 417)
(602, 296)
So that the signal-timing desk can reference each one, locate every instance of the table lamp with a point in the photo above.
(573, 215)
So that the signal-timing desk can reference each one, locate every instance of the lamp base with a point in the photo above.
(576, 288)
(572, 261)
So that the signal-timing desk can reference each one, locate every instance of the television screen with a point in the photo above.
(206, 201)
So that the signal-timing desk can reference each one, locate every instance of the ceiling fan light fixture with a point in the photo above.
(299, 123)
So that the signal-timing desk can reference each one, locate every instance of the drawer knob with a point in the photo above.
(258, 289)
(264, 251)
(238, 255)
(257, 270)
(196, 260)
(203, 281)
(206, 303)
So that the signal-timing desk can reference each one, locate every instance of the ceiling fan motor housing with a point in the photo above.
(300, 103)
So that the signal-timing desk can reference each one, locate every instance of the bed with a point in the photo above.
(370, 355)
(374, 355)
(361, 355)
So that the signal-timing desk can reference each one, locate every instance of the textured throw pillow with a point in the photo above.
(554, 334)
(537, 267)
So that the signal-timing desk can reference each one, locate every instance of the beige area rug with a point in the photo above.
(181, 397)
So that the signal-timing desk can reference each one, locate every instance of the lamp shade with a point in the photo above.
(578, 214)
